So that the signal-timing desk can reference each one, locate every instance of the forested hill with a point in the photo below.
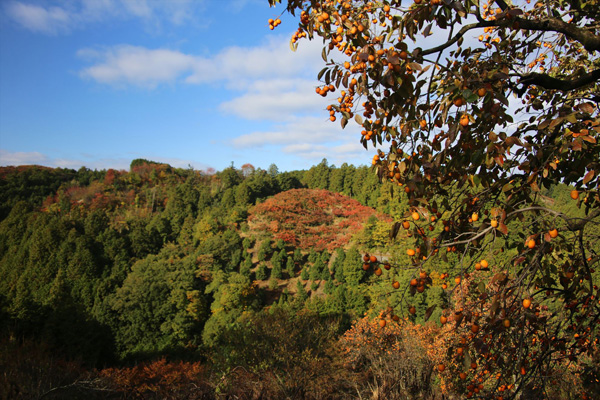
(112, 264)
(114, 267)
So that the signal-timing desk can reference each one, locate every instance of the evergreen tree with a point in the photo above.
(329, 287)
(265, 250)
(353, 272)
(316, 270)
(262, 272)
(304, 274)
(338, 265)
(325, 274)
(280, 245)
(290, 267)
(276, 270)
(313, 256)
(273, 283)
(298, 258)
(246, 267)
(300, 291)
(276, 260)
(283, 256)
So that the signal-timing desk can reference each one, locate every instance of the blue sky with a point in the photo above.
(98, 83)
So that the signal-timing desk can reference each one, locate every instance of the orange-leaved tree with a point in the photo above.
(480, 111)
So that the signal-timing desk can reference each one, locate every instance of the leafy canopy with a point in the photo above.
(479, 109)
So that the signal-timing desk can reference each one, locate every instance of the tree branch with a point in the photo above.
(549, 82)
(589, 41)
(458, 35)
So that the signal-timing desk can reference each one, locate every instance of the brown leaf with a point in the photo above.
(394, 230)
(499, 277)
(589, 176)
(428, 312)
(586, 108)
(589, 139)
(502, 228)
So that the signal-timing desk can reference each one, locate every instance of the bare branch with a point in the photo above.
(589, 41)
(458, 35)
(549, 82)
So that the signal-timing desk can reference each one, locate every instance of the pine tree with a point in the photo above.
(304, 274)
(301, 292)
(276, 270)
(262, 273)
(353, 272)
(290, 267)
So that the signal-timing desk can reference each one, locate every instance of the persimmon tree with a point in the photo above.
(478, 110)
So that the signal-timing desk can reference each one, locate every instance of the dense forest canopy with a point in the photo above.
(112, 268)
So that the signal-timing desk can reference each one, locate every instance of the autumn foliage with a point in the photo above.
(310, 218)
(478, 127)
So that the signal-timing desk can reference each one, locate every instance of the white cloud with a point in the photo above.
(299, 130)
(63, 17)
(276, 100)
(350, 152)
(311, 138)
(260, 69)
(136, 65)
(89, 161)
(49, 20)
(272, 59)
(22, 158)
(267, 82)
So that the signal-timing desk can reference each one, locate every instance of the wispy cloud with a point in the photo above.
(276, 99)
(236, 67)
(267, 83)
(51, 20)
(53, 17)
(90, 161)
(304, 130)
(139, 66)
(22, 158)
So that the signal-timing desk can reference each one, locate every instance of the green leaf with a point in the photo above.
(321, 72)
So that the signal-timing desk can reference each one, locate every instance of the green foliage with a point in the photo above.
(338, 265)
(276, 270)
(313, 256)
(146, 263)
(301, 291)
(31, 184)
(157, 307)
(265, 250)
(352, 267)
(262, 272)
(290, 267)
(304, 274)
(298, 257)
(233, 294)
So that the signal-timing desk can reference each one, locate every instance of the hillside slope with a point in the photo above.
(309, 218)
